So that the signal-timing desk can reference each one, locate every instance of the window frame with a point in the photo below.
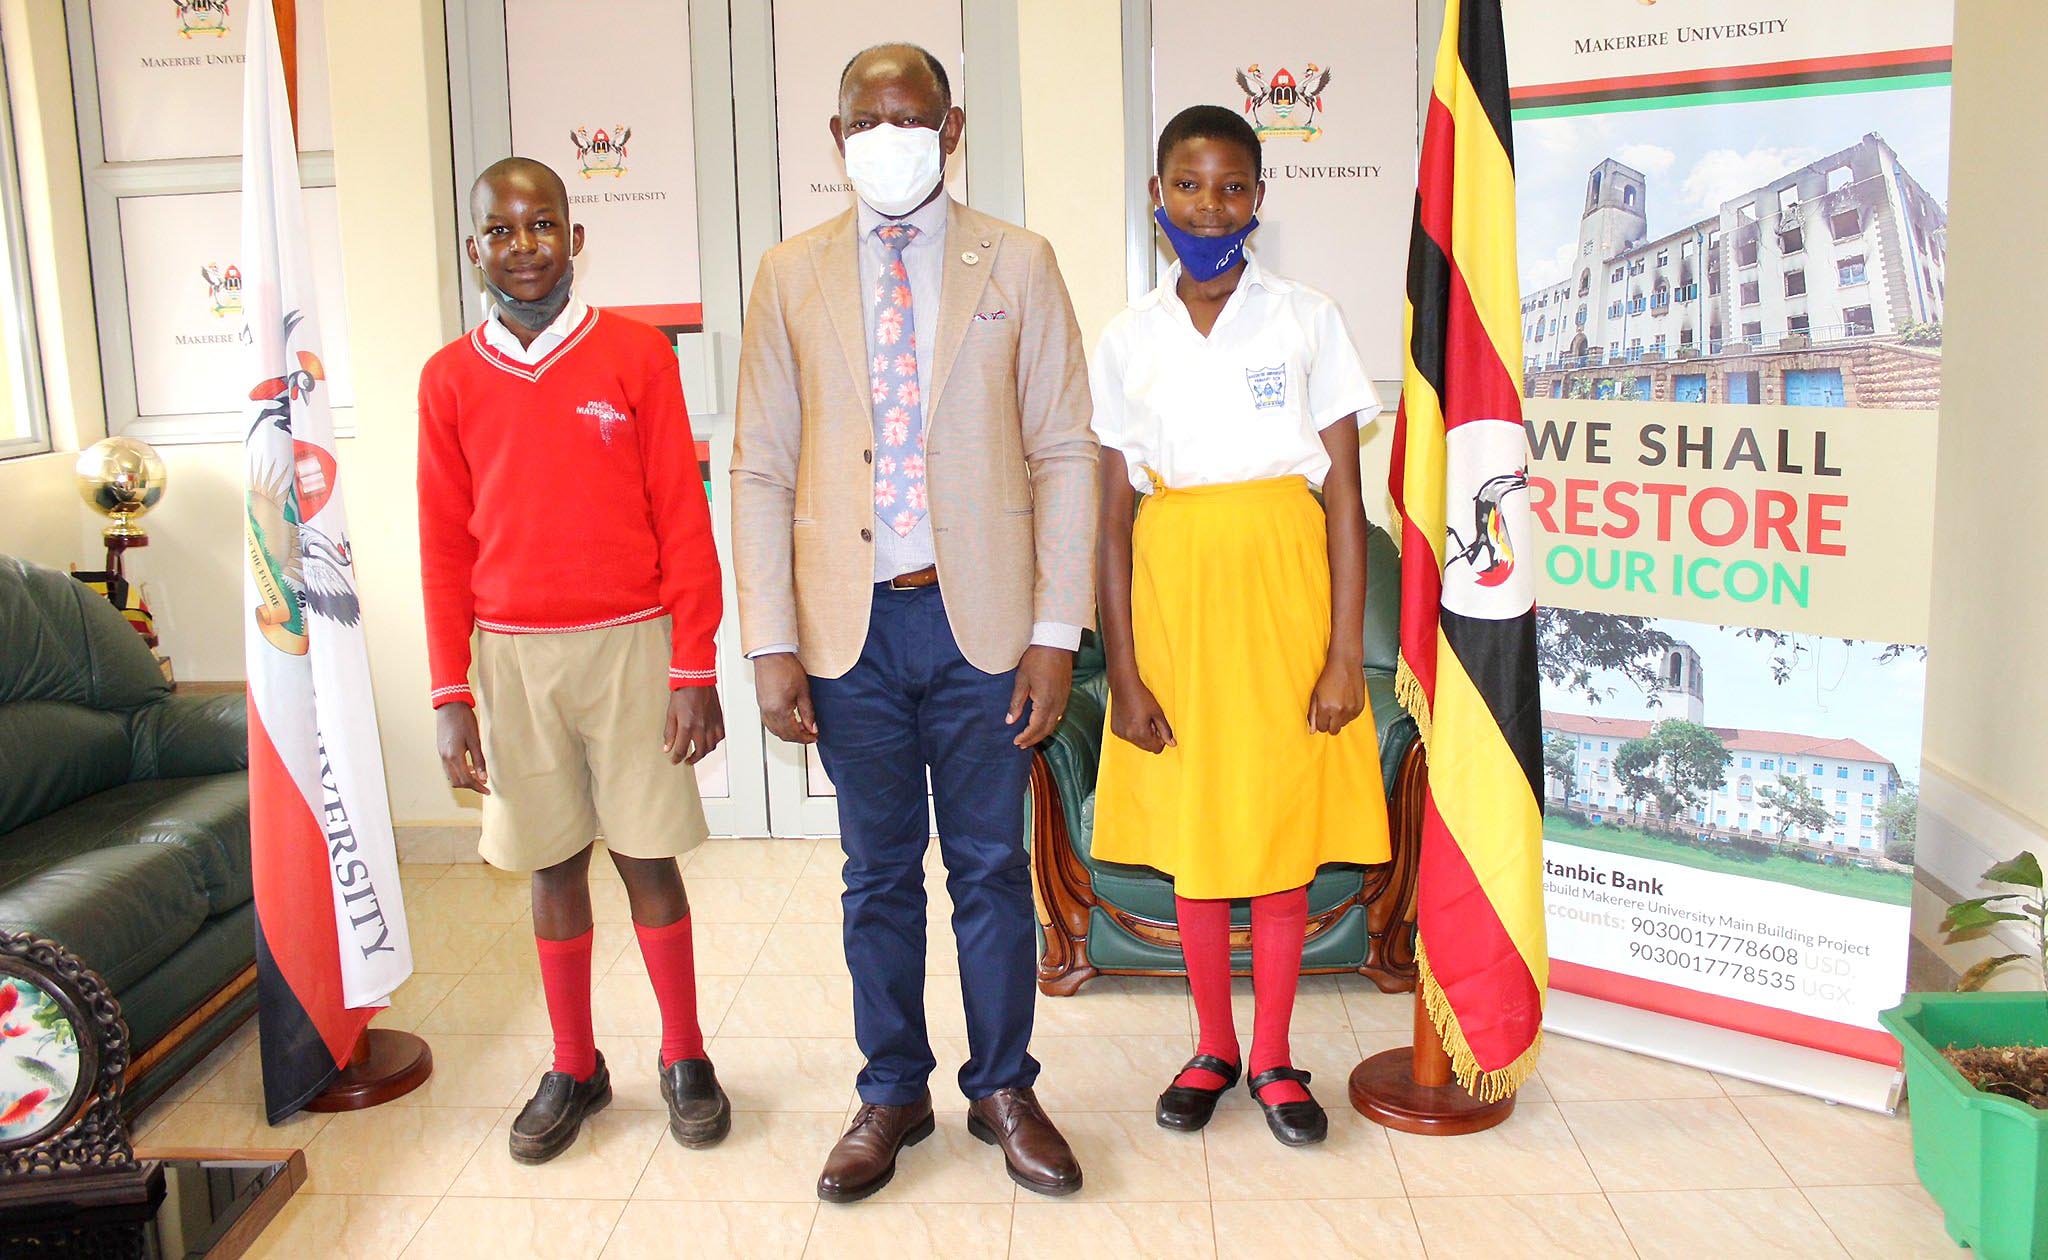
(106, 186)
(20, 309)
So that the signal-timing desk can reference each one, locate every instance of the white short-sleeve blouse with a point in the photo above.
(1245, 403)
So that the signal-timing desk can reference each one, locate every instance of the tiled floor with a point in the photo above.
(1607, 1154)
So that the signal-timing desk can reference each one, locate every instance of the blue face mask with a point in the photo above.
(1205, 257)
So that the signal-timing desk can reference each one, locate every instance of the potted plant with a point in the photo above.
(1977, 1074)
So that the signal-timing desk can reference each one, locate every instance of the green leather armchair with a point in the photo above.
(1102, 918)
(124, 821)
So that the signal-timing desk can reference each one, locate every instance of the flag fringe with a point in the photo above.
(1486, 1086)
(1408, 691)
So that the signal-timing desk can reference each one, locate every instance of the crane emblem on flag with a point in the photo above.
(296, 567)
(1491, 552)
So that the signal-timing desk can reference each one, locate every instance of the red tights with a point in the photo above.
(1279, 924)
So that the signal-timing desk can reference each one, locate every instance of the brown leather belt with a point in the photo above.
(927, 576)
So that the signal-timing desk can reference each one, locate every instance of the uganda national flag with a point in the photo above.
(1468, 618)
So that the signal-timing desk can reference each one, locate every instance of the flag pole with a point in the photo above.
(1481, 962)
(384, 1064)
(286, 13)
(1412, 1087)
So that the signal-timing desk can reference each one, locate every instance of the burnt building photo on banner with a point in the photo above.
(1823, 287)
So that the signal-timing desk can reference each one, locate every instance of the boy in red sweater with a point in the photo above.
(564, 531)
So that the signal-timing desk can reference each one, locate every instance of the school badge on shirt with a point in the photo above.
(1268, 386)
(609, 418)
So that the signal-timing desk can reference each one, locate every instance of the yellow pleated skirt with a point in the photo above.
(1230, 609)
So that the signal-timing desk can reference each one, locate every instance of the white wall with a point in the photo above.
(1069, 51)
(395, 177)
(1985, 790)
(1987, 690)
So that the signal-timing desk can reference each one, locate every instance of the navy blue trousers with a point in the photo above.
(912, 703)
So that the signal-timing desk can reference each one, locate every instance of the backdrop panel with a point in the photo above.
(1331, 90)
(613, 115)
(181, 254)
(170, 78)
(812, 45)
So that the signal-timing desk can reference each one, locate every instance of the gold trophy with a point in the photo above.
(121, 478)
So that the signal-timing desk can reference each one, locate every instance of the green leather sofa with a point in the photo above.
(124, 821)
(1101, 918)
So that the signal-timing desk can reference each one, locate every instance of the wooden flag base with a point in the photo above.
(1412, 1088)
(386, 1065)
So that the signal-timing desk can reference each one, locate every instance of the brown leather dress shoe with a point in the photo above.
(1038, 1158)
(864, 1159)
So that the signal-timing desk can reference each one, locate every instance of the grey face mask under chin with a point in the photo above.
(534, 316)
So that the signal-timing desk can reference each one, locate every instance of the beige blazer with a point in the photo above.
(1010, 458)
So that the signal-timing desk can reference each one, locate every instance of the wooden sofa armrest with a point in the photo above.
(1061, 886)
(1390, 889)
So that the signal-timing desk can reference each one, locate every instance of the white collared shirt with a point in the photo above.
(1245, 403)
(557, 332)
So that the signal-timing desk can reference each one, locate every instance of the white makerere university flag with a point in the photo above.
(331, 938)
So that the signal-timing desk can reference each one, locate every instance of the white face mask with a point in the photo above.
(894, 168)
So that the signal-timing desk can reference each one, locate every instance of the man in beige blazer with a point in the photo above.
(914, 505)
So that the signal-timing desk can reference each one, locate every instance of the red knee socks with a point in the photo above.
(672, 966)
(1279, 925)
(1205, 944)
(565, 979)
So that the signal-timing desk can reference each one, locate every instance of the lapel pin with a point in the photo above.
(985, 244)
(970, 258)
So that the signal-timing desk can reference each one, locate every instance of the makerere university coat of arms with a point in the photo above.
(202, 17)
(1295, 106)
(603, 153)
(223, 289)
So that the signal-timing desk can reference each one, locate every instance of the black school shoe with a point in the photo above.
(1294, 1123)
(699, 1113)
(554, 1115)
(1186, 1108)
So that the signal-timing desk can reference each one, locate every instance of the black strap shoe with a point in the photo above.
(699, 1113)
(1294, 1123)
(554, 1115)
(1186, 1108)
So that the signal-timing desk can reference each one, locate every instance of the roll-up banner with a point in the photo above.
(1733, 244)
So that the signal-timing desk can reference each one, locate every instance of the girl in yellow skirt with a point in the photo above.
(1233, 613)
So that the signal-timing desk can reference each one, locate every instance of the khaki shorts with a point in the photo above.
(572, 727)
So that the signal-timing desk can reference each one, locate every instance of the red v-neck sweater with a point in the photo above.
(562, 496)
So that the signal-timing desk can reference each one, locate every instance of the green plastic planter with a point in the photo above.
(1982, 1157)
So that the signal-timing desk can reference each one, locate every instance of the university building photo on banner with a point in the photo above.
(804, 628)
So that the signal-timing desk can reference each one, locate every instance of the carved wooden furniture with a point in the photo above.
(63, 1066)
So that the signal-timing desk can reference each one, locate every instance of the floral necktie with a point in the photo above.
(892, 381)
